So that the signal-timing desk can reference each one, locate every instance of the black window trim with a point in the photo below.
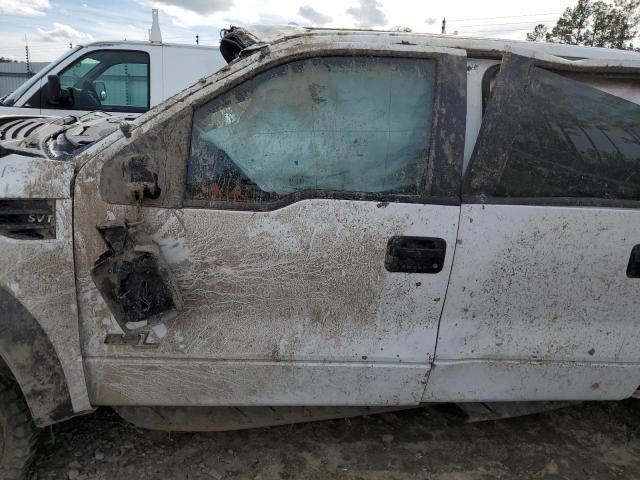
(446, 152)
(40, 101)
(525, 64)
(489, 74)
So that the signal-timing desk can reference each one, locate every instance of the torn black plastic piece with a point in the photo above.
(134, 279)
(234, 40)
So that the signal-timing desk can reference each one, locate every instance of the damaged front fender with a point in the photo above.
(134, 279)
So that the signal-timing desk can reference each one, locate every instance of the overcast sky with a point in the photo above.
(50, 25)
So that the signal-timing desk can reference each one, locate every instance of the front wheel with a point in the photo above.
(18, 434)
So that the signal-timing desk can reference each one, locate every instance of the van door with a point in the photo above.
(308, 223)
(106, 80)
(544, 289)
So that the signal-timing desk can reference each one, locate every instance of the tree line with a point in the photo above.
(594, 24)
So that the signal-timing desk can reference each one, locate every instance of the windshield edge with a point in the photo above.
(11, 99)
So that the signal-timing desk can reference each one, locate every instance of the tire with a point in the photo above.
(18, 434)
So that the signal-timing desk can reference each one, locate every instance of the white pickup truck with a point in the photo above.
(119, 76)
(279, 243)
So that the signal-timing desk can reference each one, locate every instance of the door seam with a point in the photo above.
(444, 300)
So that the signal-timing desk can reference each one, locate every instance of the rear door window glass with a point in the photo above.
(561, 135)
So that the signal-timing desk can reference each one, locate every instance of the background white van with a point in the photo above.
(123, 76)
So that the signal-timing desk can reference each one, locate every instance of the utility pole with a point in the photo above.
(444, 26)
(26, 51)
(197, 39)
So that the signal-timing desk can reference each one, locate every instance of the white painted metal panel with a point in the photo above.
(543, 283)
(29, 177)
(297, 289)
(183, 66)
(204, 383)
(536, 283)
(40, 274)
(495, 381)
(303, 283)
(306, 282)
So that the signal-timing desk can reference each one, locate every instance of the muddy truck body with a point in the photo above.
(337, 222)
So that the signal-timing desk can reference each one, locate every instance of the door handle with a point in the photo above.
(633, 268)
(415, 254)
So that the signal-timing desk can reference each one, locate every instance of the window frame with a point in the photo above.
(446, 151)
(491, 74)
(512, 77)
(41, 95)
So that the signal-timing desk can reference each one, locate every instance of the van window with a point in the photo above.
(561, 135)
(13, 97)
(125, 85)
(111, 80)
(331, 124)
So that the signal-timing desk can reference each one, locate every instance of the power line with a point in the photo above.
(528, 22)
(492, 31)
(508, 27)
(507, 16)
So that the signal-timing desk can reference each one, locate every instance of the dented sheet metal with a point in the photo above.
(288, 287)
(301, 284)
(134, 279)
(269, 297)
(294, 306)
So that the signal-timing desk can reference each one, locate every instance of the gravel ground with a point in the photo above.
(596, 441)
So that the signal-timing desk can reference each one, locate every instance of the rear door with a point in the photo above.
(544, 293)
(311, 239)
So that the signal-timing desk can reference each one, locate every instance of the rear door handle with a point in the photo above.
(415, 254)
(633, 268)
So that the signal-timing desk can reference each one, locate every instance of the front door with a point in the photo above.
(310, 239)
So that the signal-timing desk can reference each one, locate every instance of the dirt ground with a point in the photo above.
(588, 441)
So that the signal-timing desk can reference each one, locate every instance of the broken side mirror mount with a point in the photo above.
(142, 183)
(134, 279)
